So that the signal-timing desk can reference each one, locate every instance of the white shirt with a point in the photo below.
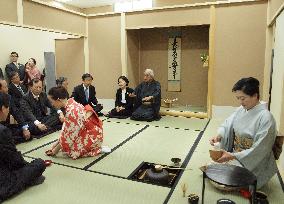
(123, 96)
(17, 65)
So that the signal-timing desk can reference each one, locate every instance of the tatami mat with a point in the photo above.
(170, 121)
(105, 182)
(114, 134)
(72, 186)
(24, 147)
(156, 145)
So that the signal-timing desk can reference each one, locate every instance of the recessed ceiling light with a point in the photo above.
(62, 0)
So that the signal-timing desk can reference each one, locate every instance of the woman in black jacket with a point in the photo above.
(123, 103)
(15, 173)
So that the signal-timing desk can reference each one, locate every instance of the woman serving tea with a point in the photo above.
(247, 136)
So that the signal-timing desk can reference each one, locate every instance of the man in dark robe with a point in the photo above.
(148, 98)
(15, 173)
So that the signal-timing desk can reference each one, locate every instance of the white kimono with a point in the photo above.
(255, 133)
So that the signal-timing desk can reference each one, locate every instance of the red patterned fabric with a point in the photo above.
(81, 136)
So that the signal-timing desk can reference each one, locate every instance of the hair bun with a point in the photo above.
(253, 81)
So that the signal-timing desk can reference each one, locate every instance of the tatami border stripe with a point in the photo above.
(280, 180)
(116, 147)
(41, 146)
(155, 125)
(78, 168)
(186, 161)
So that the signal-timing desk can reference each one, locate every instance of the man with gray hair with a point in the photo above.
(148, 98)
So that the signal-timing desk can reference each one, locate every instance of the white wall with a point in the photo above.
(28, 43)
(278, 70)
(278, 79)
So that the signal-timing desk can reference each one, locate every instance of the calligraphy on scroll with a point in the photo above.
(174, 63)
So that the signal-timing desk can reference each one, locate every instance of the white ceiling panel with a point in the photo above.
(88, 3)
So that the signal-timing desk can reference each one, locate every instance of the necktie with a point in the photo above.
(17, 65)
(20, 89)
(87, 94)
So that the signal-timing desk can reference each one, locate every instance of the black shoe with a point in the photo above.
(100, 114)
(38, 180)
(261, 198)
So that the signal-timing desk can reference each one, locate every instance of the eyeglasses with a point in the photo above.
(14, 56)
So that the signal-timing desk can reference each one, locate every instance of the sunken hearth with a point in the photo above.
(156, 174)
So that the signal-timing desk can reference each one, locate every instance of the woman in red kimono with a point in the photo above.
(82, 132)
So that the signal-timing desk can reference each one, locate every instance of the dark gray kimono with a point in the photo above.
(15, 173)
(147, 112)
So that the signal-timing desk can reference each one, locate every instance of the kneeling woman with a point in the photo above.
(82, 133)
(123, 103)
(248, 135)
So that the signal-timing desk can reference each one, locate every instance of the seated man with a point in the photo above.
(148, 98)
(19, 131)
(86, 94)
(34, 105)
(16, 89)
(15, 173)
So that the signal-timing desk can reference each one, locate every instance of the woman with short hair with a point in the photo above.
(123, 103)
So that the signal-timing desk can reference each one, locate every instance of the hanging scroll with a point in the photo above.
(174, 63)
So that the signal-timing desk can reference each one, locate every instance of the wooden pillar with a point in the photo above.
(123, 46)
(20, 12)
(211, 59)
(86, 48)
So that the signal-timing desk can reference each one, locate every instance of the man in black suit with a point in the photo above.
(16, 89)
(16, 174)
(14, 66)
(86, 94)
(19, 131)
(34, 105)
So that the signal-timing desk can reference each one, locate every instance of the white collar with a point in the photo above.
(85, 87)
(35, 97)
(16, 85)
